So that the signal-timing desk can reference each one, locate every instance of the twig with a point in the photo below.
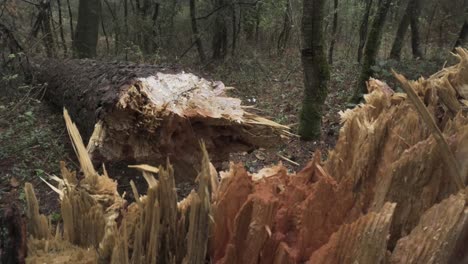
(288, 160)
(447, 155)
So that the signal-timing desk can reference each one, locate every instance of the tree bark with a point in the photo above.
(87, 28)
(334, 32)
(195, 33)
(363, 29)
(371, 50)
(316, 72)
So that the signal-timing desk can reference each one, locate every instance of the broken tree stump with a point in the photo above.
(145, 113)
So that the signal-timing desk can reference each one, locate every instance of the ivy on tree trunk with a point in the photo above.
(316, 70)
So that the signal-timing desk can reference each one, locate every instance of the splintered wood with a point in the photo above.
(385, 194)
(146, 113)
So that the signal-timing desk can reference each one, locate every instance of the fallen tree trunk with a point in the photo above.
(145, 113)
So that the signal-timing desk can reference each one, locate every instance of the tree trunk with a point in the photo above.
(363, 29)
(220, 37)
(42, 23)
(415, 36)
(126, 37)
(397, 46)
(334, 33)
(147, 113)
(410, 17)
(283, 38)
(171, 22)
(258, 17)
(87, 28)
(371, 50)
(62, 36)
(104, 32)
(429, 25)
(234, 29)
(70, 15)
(196, 35)
(462, 37)
(316, 72)
(47, 31)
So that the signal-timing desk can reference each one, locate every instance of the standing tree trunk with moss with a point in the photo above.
(316, 72)
(195, 33)
(87, 29)
(410, 17)
(371, 50)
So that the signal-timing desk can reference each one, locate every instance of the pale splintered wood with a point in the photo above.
(200, 212)
(440, 236)
(447, 155)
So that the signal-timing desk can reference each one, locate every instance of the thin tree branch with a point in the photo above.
(224, 6)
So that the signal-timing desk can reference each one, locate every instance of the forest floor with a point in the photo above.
(33, 137)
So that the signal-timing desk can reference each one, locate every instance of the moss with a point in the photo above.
(310, 126)
(317, 74)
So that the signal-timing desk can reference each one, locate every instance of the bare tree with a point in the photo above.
(316, 71)
(87, 28)
(364, 28)
(195, 33)
(334, 33)
(286, 31)
(410, 17)
(463, 36)
(371, 50)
